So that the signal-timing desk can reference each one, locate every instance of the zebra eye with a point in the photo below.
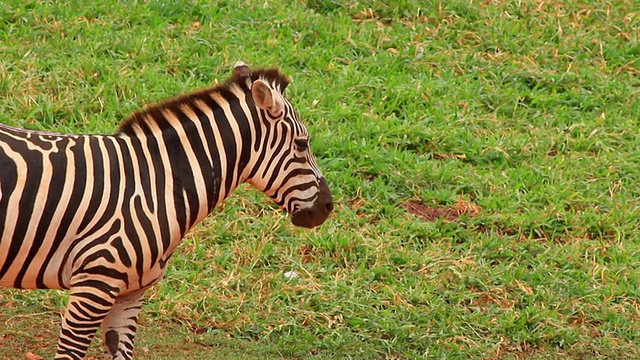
(302, 144)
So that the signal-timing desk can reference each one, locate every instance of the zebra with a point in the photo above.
(100, 215)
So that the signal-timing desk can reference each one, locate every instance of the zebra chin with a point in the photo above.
(318, 212)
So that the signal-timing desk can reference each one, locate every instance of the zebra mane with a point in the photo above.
(272, 76)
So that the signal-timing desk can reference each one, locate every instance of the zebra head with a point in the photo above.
(286, 170)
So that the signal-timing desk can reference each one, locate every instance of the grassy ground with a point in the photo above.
(483, 158)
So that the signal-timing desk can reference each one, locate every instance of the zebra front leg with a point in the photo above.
(89, 303)
(119, 327)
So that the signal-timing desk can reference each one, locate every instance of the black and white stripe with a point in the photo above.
(100, 215)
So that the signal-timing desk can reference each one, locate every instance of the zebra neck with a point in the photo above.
(198, 150)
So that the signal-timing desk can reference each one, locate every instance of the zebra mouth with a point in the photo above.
(308, 218)
(316, 214)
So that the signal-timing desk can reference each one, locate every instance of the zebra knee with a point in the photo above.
(111, 341)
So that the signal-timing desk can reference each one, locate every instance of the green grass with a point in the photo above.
(525, 111)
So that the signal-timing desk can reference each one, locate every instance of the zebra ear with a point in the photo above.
(266, 98)
(241, 72)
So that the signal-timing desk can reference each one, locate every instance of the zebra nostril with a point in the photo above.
(329, 206)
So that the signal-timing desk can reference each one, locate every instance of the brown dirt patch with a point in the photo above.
(449, 213)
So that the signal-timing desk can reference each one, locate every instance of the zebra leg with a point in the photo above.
(119, 327)
(88, 306)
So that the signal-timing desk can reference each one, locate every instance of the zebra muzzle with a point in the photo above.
(316, 214)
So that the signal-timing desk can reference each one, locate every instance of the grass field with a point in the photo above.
(483, 156)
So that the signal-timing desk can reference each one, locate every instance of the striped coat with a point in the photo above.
(100, 215)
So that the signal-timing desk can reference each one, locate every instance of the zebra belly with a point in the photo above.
(28, 280)
(40, 271)
(30, 258)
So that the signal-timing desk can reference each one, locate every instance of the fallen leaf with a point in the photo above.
(32, 356)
